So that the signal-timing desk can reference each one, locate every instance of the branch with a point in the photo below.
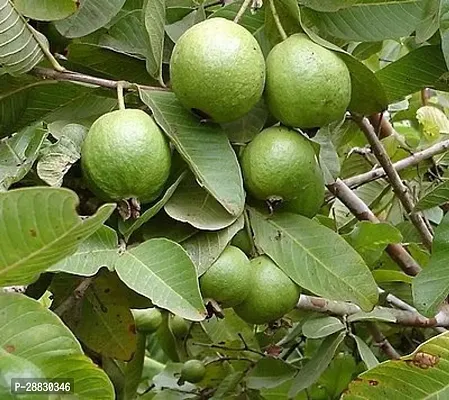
(399, 188)
(242, 11)
(383, 342)
(71, 76)
(362, 212)
(277, 21)
(403, 317)
(75, 296)
(411, 161)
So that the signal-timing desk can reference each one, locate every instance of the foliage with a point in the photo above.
(78, 273)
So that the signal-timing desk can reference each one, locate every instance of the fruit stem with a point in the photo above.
(250, 233)
(242, 11)
(120, 97)
(277, 21)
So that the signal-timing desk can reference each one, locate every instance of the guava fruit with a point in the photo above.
(228, 280)
(148, 320)
(193, 371)
(178, 326)
(280, 165)
(217, 70)
(307, 86)
(272, 294)
(125, 155)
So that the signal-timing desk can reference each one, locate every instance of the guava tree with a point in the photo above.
(225, 199)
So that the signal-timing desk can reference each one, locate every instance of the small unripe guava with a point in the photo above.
(307, 85)
(148, 320)
(193, 371)
(217, 70)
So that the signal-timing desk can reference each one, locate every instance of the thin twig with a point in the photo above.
(410, 161)
(399, 188)
(222, 347)
(71, 76)
(242, 10)
(362, 212)
(277, 20)
(76, 296)
(383, 342)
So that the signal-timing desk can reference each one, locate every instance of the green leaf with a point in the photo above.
(444, 28)
(91, 15)
(105, 307)
(328, 157)
(191, 203)
(163, 226)
(328, 267)
(423, 67)
(59, 157)
(269, 373)
(431, 286)
(128, 35)
(378, 314)
(133, 369)
(417, 376)
(367, 21)
(244, 129)
(310, 373)
(253, 21)
(46, 10)
(203, 146)
(127, 228)
(370, 239)
(18, 153)
(436, 197)
(39, 226)
(108, 64)
(21, 46)
(205, 247)
(327, 5)
(30, 331)
(98, 250)
(365, 353)
(388, 275)
(154, 16)
(27, 99)
(162, 271)
(321, 327)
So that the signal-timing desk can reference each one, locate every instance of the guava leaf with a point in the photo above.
(436, 197)
(203, 146)
(21, 46)
(31, 331)
(328, 267)
(422, 67)
(162, 271)
(192, 204)
(205, 247)
(46, 10)
(366, 22)
(98, 250)
(39, 227)
(419, 375)
(321, 327)
(18, 153)
(365, 352)
(90, 16)
(154, 17)
(327, 5)
(134, 368)
(127, 228)
(268, 373)
(310, 373)
(443, 24)
(431, 286)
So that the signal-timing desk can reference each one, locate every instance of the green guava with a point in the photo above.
(178, 326)
(125, 155)
(193, 371)
(228, 279)
(307, 85)
(217, 70)
(272, 294)
(148, 320)
(280, 164)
